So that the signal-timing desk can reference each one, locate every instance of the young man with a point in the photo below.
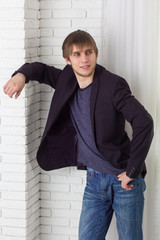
(86, 128)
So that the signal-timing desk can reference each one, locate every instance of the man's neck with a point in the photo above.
(84, 82)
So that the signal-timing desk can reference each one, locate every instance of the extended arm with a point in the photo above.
(31, 71)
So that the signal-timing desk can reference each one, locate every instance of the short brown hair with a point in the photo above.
(79, 38)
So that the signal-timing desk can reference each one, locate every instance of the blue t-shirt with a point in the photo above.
(88, 153)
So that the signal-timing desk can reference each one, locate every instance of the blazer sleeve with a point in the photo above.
(141, 122)
(39, 72)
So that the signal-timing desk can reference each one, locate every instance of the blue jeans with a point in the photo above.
(104, 195)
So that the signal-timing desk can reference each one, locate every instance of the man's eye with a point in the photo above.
(76, 54)
(88, 52)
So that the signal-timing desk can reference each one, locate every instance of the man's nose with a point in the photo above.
(84, 58)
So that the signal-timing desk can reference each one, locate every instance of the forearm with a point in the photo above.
(140, 144)
(39, 72)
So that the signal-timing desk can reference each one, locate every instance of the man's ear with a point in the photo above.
(67, 61)
(97, 55)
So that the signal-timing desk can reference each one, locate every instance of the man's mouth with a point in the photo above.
(85, 66)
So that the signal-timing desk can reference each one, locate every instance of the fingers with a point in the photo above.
(125, 180)
(15, 85)
(127, 187)
(10, 89)
(17, 94)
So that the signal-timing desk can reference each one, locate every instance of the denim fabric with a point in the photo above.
(104, 195)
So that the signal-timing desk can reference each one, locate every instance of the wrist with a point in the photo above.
(21, 76)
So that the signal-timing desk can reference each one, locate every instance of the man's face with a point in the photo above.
(83, 61)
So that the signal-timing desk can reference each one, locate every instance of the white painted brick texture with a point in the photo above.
(19, 124)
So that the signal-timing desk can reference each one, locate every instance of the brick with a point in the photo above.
(66, 179)
(91, 22)
(14, 121)
(45, 178)
(67, 196)
(76, 205)
(55, 23)
(12, 231)
(15, 149)
(46, 195)
(62, 32)
(77, 188)
(12, 53)
(14, 213)
(11, 24)
(55, 204)
(32, 33)
(31, 14)
(46, 229)
(31, 43)
(46, 32)
(55, 221)
(91, 13)
(45, 14)
(10, 195)
(33, 99)
(31, 137)
(12, 4)
(31, 23)
(32, 52)
(12, 177)
(72, 13)
(33, 108)
(10, 111)
(57, 213)
(53, 59)
(11, 63)
(64, 230)
(87, 4)
(55, 4)
(45, 212)
(11, 186)
(14, 167)
(17, 204)
(20, 140)
(11, 34)
(32, 201)
(55, 187)
(57, 51)
(13, 14)
(46, 51)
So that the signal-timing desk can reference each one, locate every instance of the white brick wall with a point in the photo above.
(19, 124)
(22, 183)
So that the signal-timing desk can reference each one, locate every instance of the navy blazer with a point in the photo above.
(111, 103)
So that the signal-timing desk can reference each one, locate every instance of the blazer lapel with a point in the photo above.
(94, 93)
(66, 86)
